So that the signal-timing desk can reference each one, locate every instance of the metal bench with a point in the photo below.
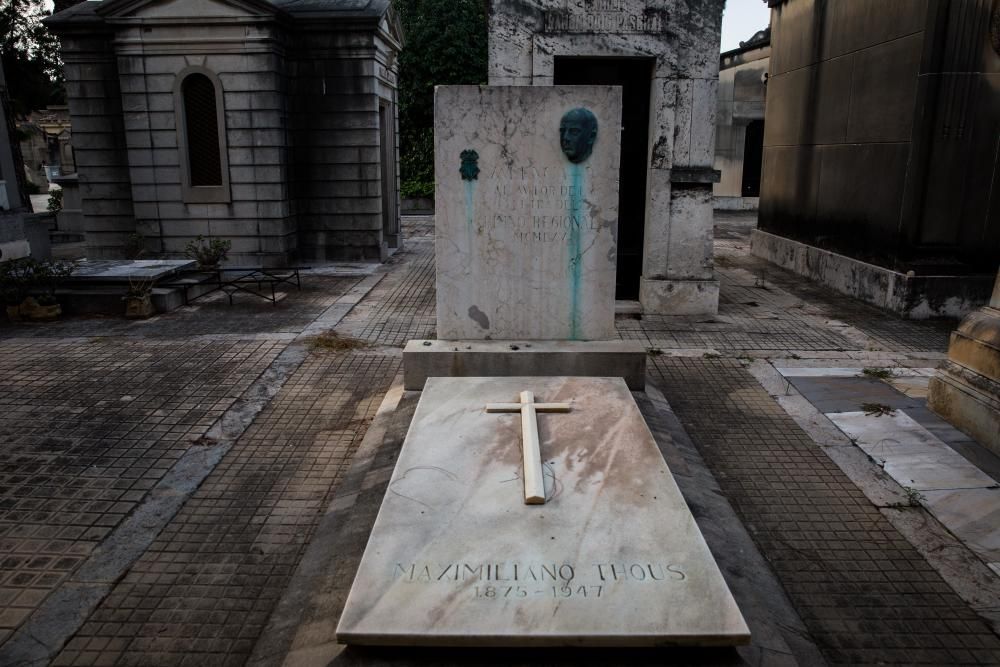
(250, 280)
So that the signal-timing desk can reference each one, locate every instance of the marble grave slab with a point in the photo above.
(114, 270)
(613, 558)
(526, 211)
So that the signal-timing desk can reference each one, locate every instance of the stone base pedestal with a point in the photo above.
(679, 297)
(915, 297)
(969, 401)
(423, 359)
(966, 390)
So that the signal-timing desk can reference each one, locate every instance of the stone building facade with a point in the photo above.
(881, 175)
(739, 122)
(665, 55)
(268, 123)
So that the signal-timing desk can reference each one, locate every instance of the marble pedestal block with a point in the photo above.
(492, 358)
(613, 558)
(526, 233)
(966, 389)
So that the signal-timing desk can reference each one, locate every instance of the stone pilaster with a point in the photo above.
(966, 389)
(99, 143)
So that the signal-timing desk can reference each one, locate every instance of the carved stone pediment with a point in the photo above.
(185, 9)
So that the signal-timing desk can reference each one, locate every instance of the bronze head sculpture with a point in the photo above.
(577, 133)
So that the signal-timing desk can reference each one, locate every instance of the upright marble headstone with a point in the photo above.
(526, 211)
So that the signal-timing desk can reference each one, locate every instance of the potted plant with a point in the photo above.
(138, 301)
(48, 276)
(16, 280)
(208, 254)
(29, 288)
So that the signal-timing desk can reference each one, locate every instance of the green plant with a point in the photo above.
(55, 200)
(913, 496)
(209, 253)
(331, 340)
(416, 189)
(30, 54)
(139, 288)
(877, 409)
(20, 278)
(446, 43)
(654, 351)
(49, 275)
(16, 280)
(878, 373)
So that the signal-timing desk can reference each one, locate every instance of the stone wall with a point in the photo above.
(334, 123)
(882, 120)
(681, 38)
(257, 219)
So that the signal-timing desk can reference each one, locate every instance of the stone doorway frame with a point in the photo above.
(678, 214)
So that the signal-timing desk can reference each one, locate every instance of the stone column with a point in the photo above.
(966, 389)
(678, 272)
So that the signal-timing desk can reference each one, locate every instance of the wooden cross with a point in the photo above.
(534, 484)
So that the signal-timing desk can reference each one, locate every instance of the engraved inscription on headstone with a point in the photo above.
(606, 16)
(526, 245)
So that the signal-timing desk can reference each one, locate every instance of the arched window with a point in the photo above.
(201, 136)
(200, 115)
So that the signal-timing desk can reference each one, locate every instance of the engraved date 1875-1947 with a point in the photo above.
(520, 592)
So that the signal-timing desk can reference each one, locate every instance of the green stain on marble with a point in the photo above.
(470, 203)
(576, 175)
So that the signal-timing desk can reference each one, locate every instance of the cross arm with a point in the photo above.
(539, 407)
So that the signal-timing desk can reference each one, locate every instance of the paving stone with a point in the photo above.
(866, 595)
(88, 428)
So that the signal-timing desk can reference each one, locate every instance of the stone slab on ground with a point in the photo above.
(424, 359)
(457, 559)
(971, 514)
(909, 453)
(526, 236)
(123, 271)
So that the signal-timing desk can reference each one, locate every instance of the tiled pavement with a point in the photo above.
(866, 595)
(204, 589)
(88, 428)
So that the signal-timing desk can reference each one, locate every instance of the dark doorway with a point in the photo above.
(635, 76)
(387, 138)
(753, 158)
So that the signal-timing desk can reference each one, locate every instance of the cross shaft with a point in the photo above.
(534, 483)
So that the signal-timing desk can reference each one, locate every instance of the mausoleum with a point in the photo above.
(881, 168)
(739, 123)
(665, 56)
(271, 123)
